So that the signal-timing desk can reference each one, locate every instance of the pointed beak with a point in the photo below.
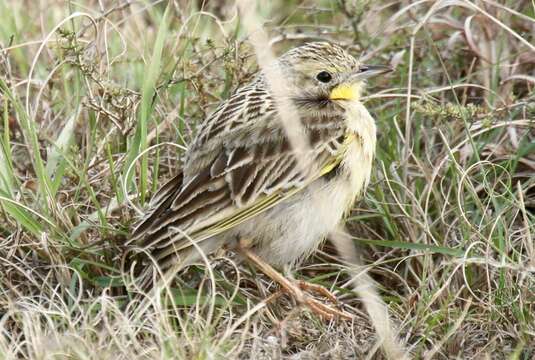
(368, 71)
(351, 87)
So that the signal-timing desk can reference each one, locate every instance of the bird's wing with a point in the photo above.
(240, 165)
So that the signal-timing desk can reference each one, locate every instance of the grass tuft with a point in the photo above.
(98, 101)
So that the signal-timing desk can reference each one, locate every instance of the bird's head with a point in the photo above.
(322, 71)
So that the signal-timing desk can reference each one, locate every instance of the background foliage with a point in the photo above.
(446, 228)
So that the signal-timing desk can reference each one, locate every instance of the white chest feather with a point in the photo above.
(294, 228)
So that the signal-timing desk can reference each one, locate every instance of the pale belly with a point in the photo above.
(293, 229)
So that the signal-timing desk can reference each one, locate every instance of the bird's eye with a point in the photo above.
(324, 77)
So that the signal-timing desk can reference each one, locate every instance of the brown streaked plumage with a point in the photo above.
(241, 178)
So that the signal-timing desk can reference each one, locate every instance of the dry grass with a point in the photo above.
(97, 98)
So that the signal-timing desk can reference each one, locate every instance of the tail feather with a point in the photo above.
(161, 201)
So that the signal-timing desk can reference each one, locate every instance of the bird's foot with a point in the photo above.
(318, 289)
(300, 290)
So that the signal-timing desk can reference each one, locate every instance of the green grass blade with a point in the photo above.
(20, 214)
(413, 246)
(7, 178)
(152, 71)
(56, 163)
(30, 135)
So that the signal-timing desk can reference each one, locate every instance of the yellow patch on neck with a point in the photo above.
(346, 92)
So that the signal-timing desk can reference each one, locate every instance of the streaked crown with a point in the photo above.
(317, 71)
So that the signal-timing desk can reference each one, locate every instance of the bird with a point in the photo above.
(243, 185)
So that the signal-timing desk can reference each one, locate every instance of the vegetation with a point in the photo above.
(98, 100)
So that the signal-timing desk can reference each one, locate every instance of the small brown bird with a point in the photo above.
(241, 181)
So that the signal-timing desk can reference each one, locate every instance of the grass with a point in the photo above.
(98, 100)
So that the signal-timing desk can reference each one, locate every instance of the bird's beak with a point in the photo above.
(367, 71)
(351, 88)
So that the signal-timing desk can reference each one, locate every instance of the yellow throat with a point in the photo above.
(346, 92)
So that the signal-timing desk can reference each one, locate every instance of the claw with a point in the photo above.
(318, 289)
(296, 290)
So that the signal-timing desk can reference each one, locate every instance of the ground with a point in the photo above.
(99, 99)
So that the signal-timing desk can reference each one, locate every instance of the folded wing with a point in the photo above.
(240, 165)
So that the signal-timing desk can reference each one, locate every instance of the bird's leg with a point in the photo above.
(296, 290)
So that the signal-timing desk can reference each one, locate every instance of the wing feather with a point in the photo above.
(240, 165)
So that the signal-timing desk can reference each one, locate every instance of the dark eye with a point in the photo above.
(324, 77)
